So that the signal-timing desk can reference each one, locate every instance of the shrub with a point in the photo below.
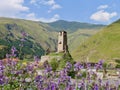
(66, 58)
(118, 66)
(117, 60)
(54, 64)
(72, 73)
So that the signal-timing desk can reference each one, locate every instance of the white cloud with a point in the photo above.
(12, 8)
(53, 5)
(33, 1)
(103, 16)
(103, 7)
(16, 9)
(49, 2)
(54, 18)
(32, 16)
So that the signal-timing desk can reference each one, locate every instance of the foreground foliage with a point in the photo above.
(15, 75)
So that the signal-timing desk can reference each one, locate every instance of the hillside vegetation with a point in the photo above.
(41, 36)
(103, 45)
(78, 37)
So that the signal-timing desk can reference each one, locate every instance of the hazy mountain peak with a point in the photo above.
(72, 26)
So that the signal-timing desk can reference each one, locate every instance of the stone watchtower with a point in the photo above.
(62, 41)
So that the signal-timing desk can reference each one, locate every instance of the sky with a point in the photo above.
(89, 11)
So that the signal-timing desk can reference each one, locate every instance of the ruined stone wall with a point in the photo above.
(49, 58)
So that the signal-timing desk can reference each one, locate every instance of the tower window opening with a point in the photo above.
(60, 42)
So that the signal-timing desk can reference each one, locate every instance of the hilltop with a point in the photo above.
(72, 26)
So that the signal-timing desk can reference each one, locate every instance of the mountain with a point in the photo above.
(40, 36)
(103, 45)
(77, 32)
(72, 26)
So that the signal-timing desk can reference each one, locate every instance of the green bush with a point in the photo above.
(117, 61)
(118, 66)
(54, 64)
(3, 52)
(66, 58)
(84, 74)
(72, 74)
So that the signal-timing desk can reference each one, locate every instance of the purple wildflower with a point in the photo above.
(13, 51)
(38, 78)
(24, 34)
(36, 58)
(106, 86)
(81, 85)
(68, 65)
(30, 68)
(47, 67)
(77, 66)
(54, 86)
(99, 65)
(69, 87)
(39, 82)
(2, 79)
(8, 56)
(96, 87)
(22, 40)
(88, 65)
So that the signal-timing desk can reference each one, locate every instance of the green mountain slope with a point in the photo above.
(73, 26)
(40, 36)
(78, 37)
(103, 45)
